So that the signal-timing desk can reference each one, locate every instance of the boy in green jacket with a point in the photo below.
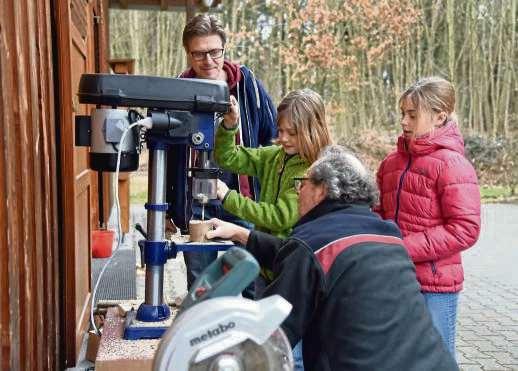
(302, 133)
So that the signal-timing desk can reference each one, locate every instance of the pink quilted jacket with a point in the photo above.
(431, 191)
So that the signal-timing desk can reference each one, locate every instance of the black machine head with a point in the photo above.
(194, 95)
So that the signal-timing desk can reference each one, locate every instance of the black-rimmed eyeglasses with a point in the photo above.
(213, 53)
(298, 182)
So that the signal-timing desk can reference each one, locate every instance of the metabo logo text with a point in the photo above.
(212, 333)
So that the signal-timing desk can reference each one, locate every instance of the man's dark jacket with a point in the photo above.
(356, 300)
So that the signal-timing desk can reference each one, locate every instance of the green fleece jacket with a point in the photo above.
(277, 209)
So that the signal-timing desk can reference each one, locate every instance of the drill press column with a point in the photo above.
(155, 224)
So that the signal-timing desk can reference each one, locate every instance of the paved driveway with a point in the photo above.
(487, 332)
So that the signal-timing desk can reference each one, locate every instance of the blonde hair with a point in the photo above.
(305, 110)
(431, 94)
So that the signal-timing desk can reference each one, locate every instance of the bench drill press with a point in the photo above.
(179, 112)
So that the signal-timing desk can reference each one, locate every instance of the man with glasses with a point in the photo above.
(356, 301)
(204, 41)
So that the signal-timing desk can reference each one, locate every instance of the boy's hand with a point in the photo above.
(231, 118)
(222, 189)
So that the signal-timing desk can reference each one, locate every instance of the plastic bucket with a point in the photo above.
(102, 242)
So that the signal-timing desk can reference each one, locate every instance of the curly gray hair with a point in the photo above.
(344, 176)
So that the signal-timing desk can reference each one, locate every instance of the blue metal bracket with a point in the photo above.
(201, 247)
(205, 124)
(156, 252)
(156, 207)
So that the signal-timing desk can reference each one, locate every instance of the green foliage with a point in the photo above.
(496, 193)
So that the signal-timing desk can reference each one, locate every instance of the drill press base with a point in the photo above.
(135, 329)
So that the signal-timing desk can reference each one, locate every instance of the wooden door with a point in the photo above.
(29, 256)
(80, 48)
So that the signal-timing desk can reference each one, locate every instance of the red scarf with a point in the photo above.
(231, 69)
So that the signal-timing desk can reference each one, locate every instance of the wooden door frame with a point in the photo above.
(94, 44)
(67, 189)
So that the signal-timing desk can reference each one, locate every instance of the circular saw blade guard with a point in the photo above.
(230, 333)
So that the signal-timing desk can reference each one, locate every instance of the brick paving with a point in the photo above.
(487, 326)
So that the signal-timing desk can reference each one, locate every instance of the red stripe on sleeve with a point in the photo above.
(327, 254)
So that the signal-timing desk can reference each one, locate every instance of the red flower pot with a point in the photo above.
(102, 242)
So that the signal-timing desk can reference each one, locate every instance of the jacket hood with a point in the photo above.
(447, 137)
(232, 70)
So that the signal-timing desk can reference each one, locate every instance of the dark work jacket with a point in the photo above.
(356, 302)
(258, 128)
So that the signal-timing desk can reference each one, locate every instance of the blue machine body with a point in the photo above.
(158, 252)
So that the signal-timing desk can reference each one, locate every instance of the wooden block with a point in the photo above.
(92, 346)
(125, 307)
(98, 320)
(105, 304)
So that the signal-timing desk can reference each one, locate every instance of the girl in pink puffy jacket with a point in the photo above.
(431, 191)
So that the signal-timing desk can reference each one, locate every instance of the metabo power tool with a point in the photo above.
(218, 331)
